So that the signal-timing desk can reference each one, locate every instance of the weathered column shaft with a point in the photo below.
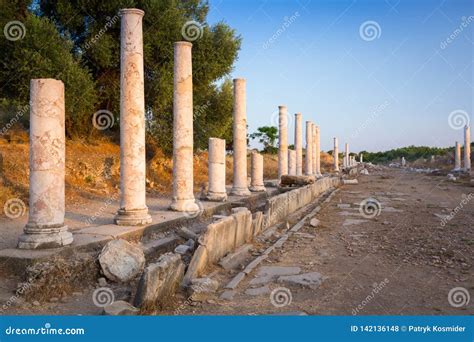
(336, 155)
(361, 157)
(318, 151)
(309, 149)
(282, 141)
(183, 194)
(45, 227)
(240, 187)
(257, 184)
(467, 148)
(133, 209)
(216, 161)
(292, 162)
(313, 127)
(457, 156)
(299, 144)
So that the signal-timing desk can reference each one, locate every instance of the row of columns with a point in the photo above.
(466, 166)
(46, 228)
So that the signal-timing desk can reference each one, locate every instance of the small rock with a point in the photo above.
(54, 300)
(77, 293)
(36, 303)
(186, 233)
(190, 243)
(314, 222)
(102, 282)
(120, 308)
(227, 295)
(201, 288)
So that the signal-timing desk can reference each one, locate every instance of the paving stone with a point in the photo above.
(182, 249)
(275, 271)
(227, 295)
(235, 281)
(350, 222)
(250, 267)
(312, 280)
(236, 259)
(120, 308)
(258, 291)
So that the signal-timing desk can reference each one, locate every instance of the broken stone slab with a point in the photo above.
(250, 267)
(159, 281)
(120, 308)
(364, 172)
(121, 261)
(312, 280)
(235, 281)
(237, 258)
(258, 291)
(186, 233)
(350, 222)
(314, 222)
(288, 180)
(227, 295)
(267, 274)
(350, 181)
(182, 249)
(202, 288)
(281, 241)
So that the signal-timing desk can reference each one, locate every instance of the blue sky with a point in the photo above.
(392, 85)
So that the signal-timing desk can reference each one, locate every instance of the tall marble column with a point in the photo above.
(309, 149)
(292, 162)
(183, 193)
(256, 167)
(45, 227)
(282, 141)
(336, 155)
(299, 144)
(313, 127)
(457, 157)
(133, 209)
(361, 157)
(404, 162)
(467, 148)
(318, 152)
(216, 166)
(240, 187)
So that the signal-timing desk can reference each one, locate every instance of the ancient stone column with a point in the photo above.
(282, 141)
(292, 162)
(216, 165)
(457, 157)
(313, 126)
(404, 162)
(346, 156)
(309, 149)
(361, 157)
(183, 194)
(336, 155)
(318, 152)
(256, 167)
(133, 209)
(240, 187)
(45, 227)
(467, 148)
(299, 144)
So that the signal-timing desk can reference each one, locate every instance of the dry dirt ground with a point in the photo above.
(403, 261)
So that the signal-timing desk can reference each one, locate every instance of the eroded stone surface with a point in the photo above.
(121, 261)
(312, 280)
(216, 161)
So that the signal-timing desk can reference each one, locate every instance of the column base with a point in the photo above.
(240, 192)
(185, 205)
(258, 188)
(132, 217)
(216, 196)
(36, 237)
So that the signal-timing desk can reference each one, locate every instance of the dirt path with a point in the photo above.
(402, 262)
